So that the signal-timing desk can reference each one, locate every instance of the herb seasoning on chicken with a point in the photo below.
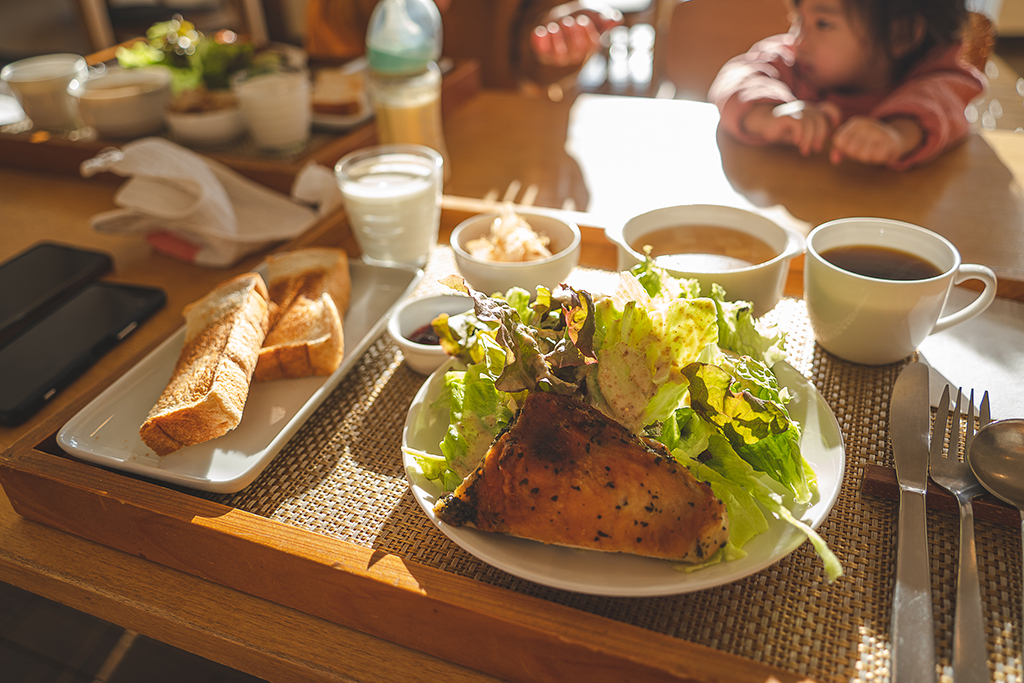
(564, 473)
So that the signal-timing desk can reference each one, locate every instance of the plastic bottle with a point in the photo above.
(403, 43)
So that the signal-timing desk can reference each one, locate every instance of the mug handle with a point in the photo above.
(970, 271)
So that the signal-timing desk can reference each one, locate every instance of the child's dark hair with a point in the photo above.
(943, 22)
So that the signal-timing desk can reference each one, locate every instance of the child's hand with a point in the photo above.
(804, 125)
(874, 142)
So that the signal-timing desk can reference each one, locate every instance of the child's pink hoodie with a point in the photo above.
(935, 91)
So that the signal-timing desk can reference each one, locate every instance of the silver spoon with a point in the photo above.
(996, 456)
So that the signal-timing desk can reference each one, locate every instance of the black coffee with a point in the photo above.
(881, 262)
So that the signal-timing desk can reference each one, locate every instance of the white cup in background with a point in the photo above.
(392, 196)
(277, 108)
(125, 103)
(40, 85)
(878, 319)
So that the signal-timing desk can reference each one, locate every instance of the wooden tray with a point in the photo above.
(423, 608)
(40, 152)
(353, 586)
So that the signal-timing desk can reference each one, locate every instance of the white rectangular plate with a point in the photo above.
(106, 431)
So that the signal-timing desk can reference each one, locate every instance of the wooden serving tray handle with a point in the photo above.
(880, 481)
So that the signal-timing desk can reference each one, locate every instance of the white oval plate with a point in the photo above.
(106, 431)
(617, 574)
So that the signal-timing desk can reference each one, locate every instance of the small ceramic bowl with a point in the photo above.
(206, 128)
(762, 283)
(125, 103)
(492, 277)
(205, 118)
(415, 314)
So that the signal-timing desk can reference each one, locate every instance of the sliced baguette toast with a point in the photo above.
(309, 293)
(208, 388)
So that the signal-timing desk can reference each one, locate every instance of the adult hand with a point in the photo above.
(874, 142)
(571, 33)
(805, 125)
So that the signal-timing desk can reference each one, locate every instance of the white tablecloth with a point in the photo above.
(984, 353)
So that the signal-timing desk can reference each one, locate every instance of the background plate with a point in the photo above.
(617, 574)
(106, 431)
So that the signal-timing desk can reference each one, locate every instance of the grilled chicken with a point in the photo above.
(564, 473)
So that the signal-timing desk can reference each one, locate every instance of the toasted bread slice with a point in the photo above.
(339, 91)
(208, 388)
(309, 292)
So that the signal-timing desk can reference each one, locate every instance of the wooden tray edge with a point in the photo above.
(360, 588)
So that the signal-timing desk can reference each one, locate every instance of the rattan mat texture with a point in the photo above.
(342, 476)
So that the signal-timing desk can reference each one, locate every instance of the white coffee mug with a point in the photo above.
(875, 320)
(41, 84)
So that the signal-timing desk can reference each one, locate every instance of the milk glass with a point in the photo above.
(277, 108)
(392, 196)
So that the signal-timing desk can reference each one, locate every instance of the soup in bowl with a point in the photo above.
(744, 252)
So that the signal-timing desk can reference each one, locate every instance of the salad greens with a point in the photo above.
(194, 59)
(690, 371)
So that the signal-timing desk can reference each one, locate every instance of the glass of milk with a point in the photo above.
(277, 108)
(392, 196)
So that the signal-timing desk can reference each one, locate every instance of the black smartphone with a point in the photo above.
(54, 351)
(38, 278)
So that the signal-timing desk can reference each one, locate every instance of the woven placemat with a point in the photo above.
(342, 476)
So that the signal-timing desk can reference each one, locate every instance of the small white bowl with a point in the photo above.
(492, 277)
(206, 128)
(762, 284)
(413, 314)
(125, 103)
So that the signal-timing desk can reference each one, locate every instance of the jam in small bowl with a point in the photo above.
(410, 327)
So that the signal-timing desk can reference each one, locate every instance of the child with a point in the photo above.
(882, 79)
(543, 40)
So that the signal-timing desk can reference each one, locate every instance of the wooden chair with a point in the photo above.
(979, 40)
(699, 36)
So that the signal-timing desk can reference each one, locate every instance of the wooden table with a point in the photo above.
(616, 157)
(612, 158)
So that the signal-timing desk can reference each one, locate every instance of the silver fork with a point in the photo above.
(970, 645)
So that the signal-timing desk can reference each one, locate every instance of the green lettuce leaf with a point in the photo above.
(694, 443)
(757, 425)
(641, 351)
(478, 412)
(661, 285)
(738, 330)
(736, 484)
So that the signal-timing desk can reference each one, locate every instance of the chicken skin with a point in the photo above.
(564, 473)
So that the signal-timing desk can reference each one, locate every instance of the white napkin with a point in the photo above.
(198, 210)
(985, 353)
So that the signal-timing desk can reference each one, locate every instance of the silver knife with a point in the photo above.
(913, 639)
